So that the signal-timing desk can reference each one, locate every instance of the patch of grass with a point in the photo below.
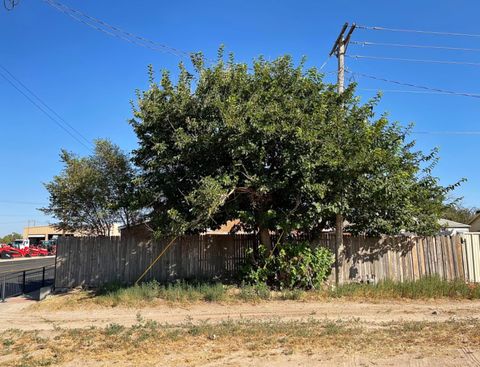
(7, 342)
(424, 288)
(145, 293)
(114, 329)
(254, 293)
(152, 293)
(333, 328)
(415, 327)
(294, 294)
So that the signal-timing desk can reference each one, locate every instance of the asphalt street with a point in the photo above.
(16, 265)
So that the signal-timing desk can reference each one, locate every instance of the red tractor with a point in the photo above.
(21, 248)
(14, 250)
(37, 251)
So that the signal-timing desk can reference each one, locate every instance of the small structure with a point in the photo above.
(44, 233)
(475, 222)
(449, 227)
(143, 230)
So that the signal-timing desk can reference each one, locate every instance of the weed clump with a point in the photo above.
(424, 288)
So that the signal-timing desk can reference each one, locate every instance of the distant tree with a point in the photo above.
(92, 193)
(279, 149)
(459, 213)
(10, 237)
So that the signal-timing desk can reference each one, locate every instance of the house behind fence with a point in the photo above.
(93, 261)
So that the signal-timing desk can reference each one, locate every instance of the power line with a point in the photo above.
(401, 91)
(368, 43)
(437, 33)
(10, 4)
(414, 85)
(21, 202)
(325, 62)
(59, 124)
(23, 221)
(414, 60)
(46, 106)
(473, 132)
(113, 31)
(20, 215)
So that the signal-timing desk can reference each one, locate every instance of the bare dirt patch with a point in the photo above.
(248, 343)
(331, 332)
(26, 317)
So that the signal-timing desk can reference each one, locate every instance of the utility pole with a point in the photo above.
(339, 48)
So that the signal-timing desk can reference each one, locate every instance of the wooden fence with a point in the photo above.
(471, 258)
(92, 261)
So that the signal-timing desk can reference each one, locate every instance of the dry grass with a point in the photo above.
(149, 343)
(153, 294)
(425, 288)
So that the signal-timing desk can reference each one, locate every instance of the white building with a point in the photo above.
(449, 227)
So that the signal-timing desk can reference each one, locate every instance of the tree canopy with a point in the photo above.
(10, 237)
(93, 193)
(279, 149)
(459, 213)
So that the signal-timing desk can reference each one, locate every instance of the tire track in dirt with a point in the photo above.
(22, 317)
(470, 357)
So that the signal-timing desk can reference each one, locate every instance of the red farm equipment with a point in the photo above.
(22, 248)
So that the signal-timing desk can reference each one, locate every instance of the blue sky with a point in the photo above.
(89, 78)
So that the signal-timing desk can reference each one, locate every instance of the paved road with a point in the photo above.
(11, 266)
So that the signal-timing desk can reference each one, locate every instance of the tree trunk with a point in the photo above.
(339, 249)
(265, 239)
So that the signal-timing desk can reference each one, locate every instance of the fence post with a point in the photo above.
(43, 276)
(23, 283)
(3, 288)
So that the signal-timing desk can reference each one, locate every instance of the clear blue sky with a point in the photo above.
(89, 78)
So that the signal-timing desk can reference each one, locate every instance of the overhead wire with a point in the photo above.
(10, 4)
(414, 60)
(473, 132)
(20, 202)
(473, 95)
(437, 33)
(46, 105)
(434, 47)
(325, 62)
(22, 221)
(114, 31)
(20, 215)
(53, 119)
(401, 91)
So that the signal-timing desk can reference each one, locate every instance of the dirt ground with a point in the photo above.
(458, 346)
(18, 314)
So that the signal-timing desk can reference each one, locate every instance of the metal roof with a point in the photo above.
(446, 223)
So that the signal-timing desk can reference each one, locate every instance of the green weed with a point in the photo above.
(424, 288)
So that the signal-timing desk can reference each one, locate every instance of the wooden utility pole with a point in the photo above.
(339, 48)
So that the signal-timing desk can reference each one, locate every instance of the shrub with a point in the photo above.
(295, 265)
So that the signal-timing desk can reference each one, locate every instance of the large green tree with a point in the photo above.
(278, 148)
(93, 193)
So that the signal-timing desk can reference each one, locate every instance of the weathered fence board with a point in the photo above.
(92, 261)
(471, 256)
